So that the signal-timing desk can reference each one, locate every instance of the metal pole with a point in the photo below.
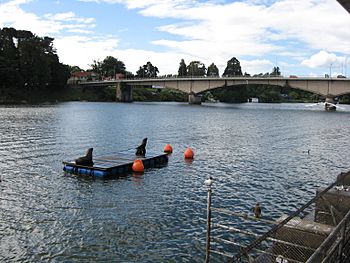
(341, 243)
(207, 247)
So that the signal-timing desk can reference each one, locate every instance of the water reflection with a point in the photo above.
(188, 161)
(137, 179)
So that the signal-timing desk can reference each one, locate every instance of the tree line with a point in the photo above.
(110, 66)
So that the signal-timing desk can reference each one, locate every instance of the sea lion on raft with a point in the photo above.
(141, 150)
(85, 160)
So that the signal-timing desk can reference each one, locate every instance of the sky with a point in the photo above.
(301, 37)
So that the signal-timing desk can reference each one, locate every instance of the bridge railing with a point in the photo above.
(336, 247)
(292, 77)
(316, 232)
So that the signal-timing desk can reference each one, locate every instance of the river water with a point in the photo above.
(254, 152)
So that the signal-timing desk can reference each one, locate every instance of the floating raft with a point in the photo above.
(115, 164)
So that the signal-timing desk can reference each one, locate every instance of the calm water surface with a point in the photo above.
(254, 152)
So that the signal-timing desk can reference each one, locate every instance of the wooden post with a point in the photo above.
(207, 247)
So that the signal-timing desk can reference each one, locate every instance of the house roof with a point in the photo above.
(81, 74)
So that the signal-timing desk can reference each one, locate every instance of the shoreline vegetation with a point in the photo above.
(105, 94)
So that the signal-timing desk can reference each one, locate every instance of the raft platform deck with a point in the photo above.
(115, 164)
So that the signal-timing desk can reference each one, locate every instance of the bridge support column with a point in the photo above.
(123, 92)
(329, 104)
(194, 99)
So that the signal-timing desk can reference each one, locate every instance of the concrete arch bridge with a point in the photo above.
(327, 87)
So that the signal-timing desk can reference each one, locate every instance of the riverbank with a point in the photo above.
(107, 94)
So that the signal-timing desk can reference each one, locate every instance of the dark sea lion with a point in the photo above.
(141, 150)
(85, 160)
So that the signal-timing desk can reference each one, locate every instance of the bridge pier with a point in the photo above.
(329, 104)
(194, 99)
(123, 92)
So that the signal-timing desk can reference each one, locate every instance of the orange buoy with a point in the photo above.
(168, 148)
(189, 154)
(138, 166)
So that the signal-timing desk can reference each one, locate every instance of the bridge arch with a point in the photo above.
(257, 85)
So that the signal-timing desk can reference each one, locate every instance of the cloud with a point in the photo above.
(82, 50)
(306, 31)
(69, 17)
(102, 1)
(140, 4)
(256, 66)
(310, 21)
(11, 15)
(219, 30)
(61, 16)
(323, 59)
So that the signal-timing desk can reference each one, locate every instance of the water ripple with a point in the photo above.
(255, 153)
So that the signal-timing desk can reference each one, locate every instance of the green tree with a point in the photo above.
(233, 68)
(73, 69)
(60, 74)
(36, 58)
(270, 95)
(235, 94)
(196, 68)
(275, 72)
(213, 70)
(9, 64)
(182, 69)
(129, 74)
(28, 61)
(96, 67)
(111, 66)
(147, 71)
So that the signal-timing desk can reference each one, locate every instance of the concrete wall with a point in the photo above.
(124, 93)
(301, 232)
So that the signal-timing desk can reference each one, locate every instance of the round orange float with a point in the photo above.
(189, 154)
(138, 166)
(168, 148)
